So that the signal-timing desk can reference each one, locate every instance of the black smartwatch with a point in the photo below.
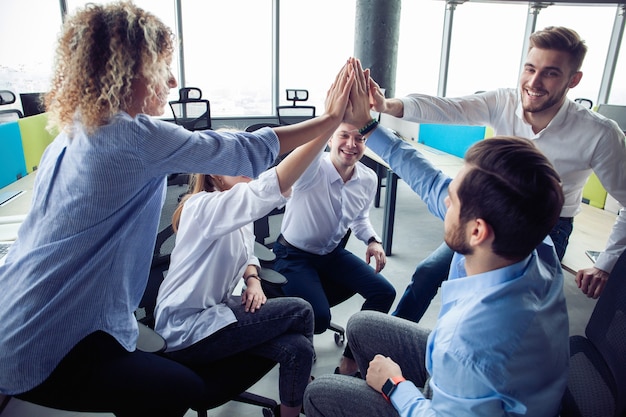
(373, 239)
(390, 386)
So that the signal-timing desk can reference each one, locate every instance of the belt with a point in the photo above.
(283, 242)
(566, 219)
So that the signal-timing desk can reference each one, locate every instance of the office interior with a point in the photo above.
(416, 232)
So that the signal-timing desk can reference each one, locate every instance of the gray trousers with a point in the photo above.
(370, 333)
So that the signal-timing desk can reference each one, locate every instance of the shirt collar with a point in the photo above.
(557, 120)
(460, 285)
(331, 171)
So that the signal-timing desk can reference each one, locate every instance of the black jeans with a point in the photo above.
(99, 375)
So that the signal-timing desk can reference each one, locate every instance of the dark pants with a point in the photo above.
(99, 375)
(327, 280)
(432, 271)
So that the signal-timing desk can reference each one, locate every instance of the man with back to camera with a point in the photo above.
(576, 140)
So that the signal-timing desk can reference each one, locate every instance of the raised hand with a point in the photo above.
(339, 92)
(376, 97)
(358, 111)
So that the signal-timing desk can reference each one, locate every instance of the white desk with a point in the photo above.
(592, 227)
(12, 212)
(448, 163)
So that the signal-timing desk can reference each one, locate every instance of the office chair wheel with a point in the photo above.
(339, 338)
(268, 412)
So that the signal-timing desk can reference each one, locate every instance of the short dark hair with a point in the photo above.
(561, 39)
(513, 187)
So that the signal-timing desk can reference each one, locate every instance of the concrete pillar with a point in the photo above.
(377, 29)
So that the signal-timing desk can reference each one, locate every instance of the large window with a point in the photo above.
(594, 25)
(316, 39)
(617, 94)
(419, 47)
(229, 47)
(27, 47)
(228, 54)
(486, 47)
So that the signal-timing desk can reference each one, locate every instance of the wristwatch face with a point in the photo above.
(388, 388)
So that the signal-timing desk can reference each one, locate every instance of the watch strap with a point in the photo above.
(390, 386)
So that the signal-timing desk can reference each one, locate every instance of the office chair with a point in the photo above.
(288, 115)
(8, 115)
(190, 110)
(614, 112)
(257, 126)
(32, 103)
(585, 102)
(596, 386)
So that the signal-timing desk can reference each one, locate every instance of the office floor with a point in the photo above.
(416, 234)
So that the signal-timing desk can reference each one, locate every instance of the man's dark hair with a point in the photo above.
(513, 187)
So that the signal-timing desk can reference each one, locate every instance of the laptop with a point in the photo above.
(9, 226)
(4, 249)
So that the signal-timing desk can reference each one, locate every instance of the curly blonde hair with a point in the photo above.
(102, 49)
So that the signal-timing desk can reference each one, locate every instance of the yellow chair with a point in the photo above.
(35, 139)
(594, 193)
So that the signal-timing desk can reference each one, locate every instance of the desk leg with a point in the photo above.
(389, 215)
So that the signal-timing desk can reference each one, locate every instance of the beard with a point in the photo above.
(457, 242)
(536, 107)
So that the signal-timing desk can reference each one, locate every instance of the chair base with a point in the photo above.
(340, 333)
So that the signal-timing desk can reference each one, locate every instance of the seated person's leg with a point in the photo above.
(281, 331)
(371, 333)
(560, 236)
(100, 375)
(345, 270)
(303, 281)
(338, 395)
(277, 317)
(426, 280)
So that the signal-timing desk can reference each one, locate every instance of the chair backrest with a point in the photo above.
(190, 110)
(32, 103)
(585, 102)
(615, 112)
(288, 115)
(6, 97)
(258, 126)
(606, 328)
(294, 113)
(8, 115)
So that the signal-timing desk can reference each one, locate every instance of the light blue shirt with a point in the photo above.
(82, 256)
(501, 343)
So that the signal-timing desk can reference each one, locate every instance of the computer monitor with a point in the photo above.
(32, 103)
(615, 112)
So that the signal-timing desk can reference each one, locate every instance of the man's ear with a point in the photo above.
(480, 232)
(573, 82)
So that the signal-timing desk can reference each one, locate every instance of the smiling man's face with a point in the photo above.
(547, 77)
(347, 146)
